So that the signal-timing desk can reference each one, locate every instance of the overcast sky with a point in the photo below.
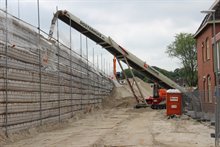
(144, 27)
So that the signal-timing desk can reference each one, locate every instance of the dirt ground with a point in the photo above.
(124, 127)
(118, 124)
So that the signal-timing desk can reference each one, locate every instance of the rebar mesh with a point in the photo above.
(33, 91)
(200, 104)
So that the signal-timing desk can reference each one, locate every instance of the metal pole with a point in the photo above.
(19, 9)
(80, 45)
(6, 70)
(101, 82)
(58, 50)
(104, 65)
(39, 52)
(81, 71)
(105, 61)
(109, 68)
(87, 50)
(71, 71)
(87, 61)
(93, 58)
(101, 63)
(97, 62)
(93, 77)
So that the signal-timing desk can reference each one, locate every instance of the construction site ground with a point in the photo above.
(118, 124)
(124, 127)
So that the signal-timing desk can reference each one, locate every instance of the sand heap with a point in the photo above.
(122, 95)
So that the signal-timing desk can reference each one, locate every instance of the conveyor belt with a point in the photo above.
(111, 46)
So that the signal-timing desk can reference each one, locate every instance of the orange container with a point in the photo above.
(174, 102)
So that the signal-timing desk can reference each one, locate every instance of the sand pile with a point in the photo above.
(125, 91)
(122, 95)
(145, 87)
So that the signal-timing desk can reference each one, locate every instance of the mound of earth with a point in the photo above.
(122, 95)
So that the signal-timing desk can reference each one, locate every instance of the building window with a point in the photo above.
(209, 89)
(207, 49)
(204, 90)
(203, 52)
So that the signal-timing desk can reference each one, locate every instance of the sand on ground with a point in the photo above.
(125, 127)
(118, 124)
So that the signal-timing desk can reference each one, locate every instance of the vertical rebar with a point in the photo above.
(71, 71)
(19, 9)
(106, 69)
(87, 50)
(109, 68)
(99, 77)
(104, 65)
(93, 57)
(6, 70)
(101, 63)
(87, 64)
(93, 74)
(109, 73)
(97, 62)
(98, 86)
(58, 52)
(39, 52)
(81, 71)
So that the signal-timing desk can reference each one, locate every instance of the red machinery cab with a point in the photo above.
(158, 100)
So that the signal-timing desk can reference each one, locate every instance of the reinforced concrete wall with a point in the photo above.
(42, 81)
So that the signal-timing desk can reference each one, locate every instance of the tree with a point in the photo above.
(183, 47)
(136, 73)
(169, 74)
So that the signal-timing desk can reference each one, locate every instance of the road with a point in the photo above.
(124, 127)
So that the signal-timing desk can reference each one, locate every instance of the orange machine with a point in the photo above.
(158, 100)
(114, 66)
(162, 93)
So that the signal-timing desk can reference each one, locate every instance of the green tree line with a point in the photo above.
(177, 75)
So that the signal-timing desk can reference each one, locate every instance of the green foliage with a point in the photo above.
(169, 74)
(136, 73)
(183, 47)
(176, 75)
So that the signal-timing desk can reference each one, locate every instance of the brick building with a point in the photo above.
(205, 56)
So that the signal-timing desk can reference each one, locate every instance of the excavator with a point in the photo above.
(123, 55)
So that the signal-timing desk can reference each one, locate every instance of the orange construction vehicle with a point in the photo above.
(158, 100)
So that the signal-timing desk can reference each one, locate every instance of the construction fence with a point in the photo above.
(199, 104)
(41, 80)
(204, 106)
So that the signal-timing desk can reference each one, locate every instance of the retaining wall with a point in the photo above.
(41, 80)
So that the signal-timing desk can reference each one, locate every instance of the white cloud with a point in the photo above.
(144, 27)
